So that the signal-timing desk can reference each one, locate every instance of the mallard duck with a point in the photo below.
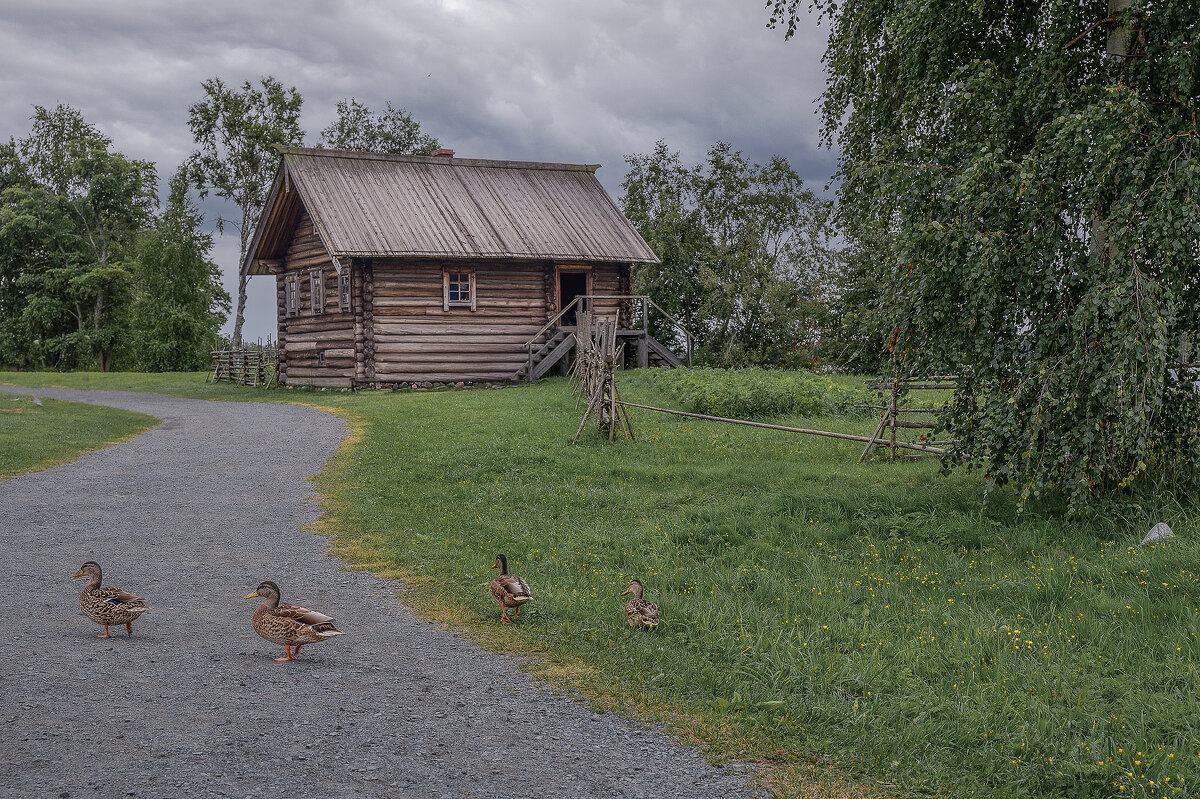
(111, 605)
(509, 589)
(288, 625)
(641, 612)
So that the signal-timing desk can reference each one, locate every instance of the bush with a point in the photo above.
(757, 393)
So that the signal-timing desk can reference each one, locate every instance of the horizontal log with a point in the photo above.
(449, 345)
(454, 361)
(391, 327)
(319, 382)
(309, 371)
(481, 303)
(441, 377)
(320, 336)
(462, 340)
(806, 431)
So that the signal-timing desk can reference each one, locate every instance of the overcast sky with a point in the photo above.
(539, 80)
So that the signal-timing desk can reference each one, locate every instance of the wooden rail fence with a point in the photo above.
(890, 414)
(251, 366)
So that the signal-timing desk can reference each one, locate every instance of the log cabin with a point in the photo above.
(402, 269)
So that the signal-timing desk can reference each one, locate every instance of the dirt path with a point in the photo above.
(192, 515)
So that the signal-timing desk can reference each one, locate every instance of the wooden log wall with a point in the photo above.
(398, 330)
(318, 348)
(417, 339)
(607, 280)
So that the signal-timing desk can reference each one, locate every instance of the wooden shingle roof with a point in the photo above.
(377, 205)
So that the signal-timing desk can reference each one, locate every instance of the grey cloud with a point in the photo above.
(558, 80)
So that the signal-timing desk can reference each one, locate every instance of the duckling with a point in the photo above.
(509, 590)
(640, 612)
(111, 605)
(288, 625)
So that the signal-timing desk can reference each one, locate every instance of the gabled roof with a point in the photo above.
(378, 205)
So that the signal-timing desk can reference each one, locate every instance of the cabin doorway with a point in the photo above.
(570, 286)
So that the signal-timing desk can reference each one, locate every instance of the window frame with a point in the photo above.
(316, 290)
(447, 303)
(291, 295)
(344, 299)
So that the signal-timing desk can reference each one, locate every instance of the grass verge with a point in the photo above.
(33, 438)
(863, 630)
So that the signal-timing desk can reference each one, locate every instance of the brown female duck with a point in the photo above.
(509, 590)
(288, 625)
(110, 605)
(641, 613)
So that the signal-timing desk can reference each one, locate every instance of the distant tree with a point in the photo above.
(178, 303)
(236, 132)
(745, 263)
(858, 334)
(359, 128)
(66, 234)
(13, 347)
(1035, 166)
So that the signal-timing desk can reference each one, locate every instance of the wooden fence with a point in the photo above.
(251, 366)
(890, 416)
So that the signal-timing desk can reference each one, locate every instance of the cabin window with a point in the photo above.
(291, 295)
(344, 290)
(458, 289)
(316, 283)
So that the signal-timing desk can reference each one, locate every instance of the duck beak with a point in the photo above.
(251, 595)
(627, 591)
(78, 574)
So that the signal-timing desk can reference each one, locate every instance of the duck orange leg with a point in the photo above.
(289, 654)
(503, 611)
(516, 612)
(106, 633)
(128, 629)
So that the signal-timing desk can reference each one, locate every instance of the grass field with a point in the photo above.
(33, 437)
(866, 630)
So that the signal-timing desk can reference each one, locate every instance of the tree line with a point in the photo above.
(98, 272)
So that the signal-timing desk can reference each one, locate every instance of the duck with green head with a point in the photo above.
(290, 626)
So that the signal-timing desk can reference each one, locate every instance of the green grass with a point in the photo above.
(33, 438)
(870, 623)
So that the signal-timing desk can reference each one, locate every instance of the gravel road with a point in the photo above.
(193, 515)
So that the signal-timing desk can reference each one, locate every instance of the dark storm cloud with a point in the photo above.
(583, 82)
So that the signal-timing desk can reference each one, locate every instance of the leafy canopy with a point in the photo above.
(237, 132)
(743, 252)
(1041, 200)
(76, 227)
(394, 130)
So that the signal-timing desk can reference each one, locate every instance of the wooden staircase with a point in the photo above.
(552, 345)
(546, 357)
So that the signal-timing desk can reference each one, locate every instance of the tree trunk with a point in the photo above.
(236, 341)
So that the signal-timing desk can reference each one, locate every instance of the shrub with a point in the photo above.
(757, 393)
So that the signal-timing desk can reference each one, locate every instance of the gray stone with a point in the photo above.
(1158, 533)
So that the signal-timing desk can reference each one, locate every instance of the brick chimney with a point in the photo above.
(443, 153)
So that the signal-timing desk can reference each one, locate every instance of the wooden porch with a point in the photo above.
(551, 347)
